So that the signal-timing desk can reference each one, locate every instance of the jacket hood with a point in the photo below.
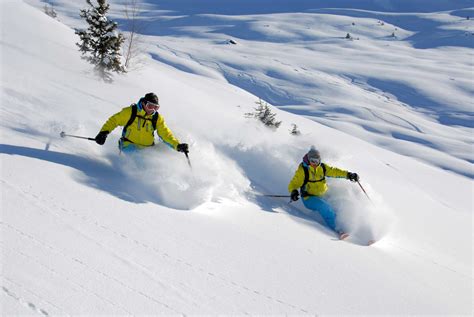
(139, 104)
(306, 160)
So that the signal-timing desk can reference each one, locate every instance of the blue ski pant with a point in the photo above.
(129, 148)
(323, 208)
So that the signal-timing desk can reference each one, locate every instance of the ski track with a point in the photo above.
(376, 114)
(89, 268)
(407, 177)
(231, 73)
(419, 254)
(34, 198)
(184, 264)
(139, 266)
(173, 261)
(25, 302)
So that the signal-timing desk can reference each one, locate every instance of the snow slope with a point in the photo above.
(356, 86)
(86, 231)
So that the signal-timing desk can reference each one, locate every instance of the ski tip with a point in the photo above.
(343, 236)
(370, 242)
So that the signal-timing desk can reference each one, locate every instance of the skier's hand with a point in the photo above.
(353, 177)
(182, 147)
(101, 137)
(295, 195)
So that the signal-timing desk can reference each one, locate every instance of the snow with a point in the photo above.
(85, 230)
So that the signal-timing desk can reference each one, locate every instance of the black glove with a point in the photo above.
(295, 195)
(182, 147)
(353, 177)
(101, 137)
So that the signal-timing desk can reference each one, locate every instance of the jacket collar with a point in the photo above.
(307, 165)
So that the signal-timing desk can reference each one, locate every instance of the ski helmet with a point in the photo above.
(151, 97)
(313, 156)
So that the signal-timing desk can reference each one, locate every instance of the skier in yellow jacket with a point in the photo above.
(310, 179)
(139, 122)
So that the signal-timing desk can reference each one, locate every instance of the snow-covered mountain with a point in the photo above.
(85, 230)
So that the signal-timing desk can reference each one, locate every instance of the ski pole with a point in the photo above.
(63, 134)
(278, 196)
(364, 190)
(187, 157)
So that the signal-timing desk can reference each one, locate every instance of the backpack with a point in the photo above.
(154, 119)
(306, 178)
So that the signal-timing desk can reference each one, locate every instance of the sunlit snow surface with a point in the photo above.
(85, 230)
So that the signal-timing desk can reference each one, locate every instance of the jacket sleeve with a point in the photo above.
(119, 119)
(335, 172)
(297, 180)
(165, 133)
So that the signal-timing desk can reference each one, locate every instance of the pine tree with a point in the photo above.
(49, 10)
(100, 43)
(264, 114)
(294, 130)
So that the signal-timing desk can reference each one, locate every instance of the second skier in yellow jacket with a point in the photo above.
(310, 180)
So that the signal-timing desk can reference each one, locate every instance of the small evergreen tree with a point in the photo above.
(100, 43)
(49, 10)
(294, 130)
(264, 114)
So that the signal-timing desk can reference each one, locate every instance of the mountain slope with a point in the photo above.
(86, 231)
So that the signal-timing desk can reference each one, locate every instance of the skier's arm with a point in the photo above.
(335, 172)
(297, 180)
(165, 133)
(119, 119)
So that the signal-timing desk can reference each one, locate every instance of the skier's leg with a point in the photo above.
(324, 209)
(130, 148)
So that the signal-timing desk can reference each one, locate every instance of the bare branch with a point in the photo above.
(135, 27)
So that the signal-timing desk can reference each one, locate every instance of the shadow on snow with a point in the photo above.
(428, 33)
(241, 7)
(94, 173)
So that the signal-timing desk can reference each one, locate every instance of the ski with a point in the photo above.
(343, 236)
(370, 242)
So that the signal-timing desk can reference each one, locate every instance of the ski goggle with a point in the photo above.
(150, 106)
(314, 160)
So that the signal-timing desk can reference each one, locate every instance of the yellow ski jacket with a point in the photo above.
(140, 132)
(316, 185)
